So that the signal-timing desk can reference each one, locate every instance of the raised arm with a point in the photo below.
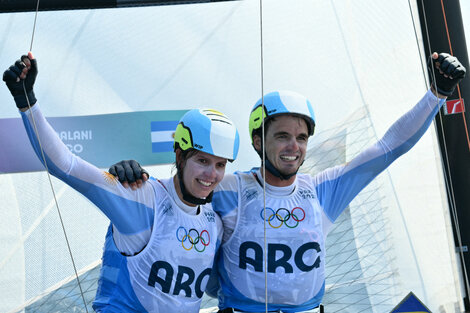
(130, 211)
(337, 187)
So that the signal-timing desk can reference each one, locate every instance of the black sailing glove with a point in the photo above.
(128, 171)
(15, 84)
(445, 65)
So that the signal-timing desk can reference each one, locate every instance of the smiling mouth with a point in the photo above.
(289, 158)
(204, 183)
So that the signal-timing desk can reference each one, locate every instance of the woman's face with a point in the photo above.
(202, 172)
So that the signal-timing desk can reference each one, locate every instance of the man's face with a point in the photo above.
(286, 143)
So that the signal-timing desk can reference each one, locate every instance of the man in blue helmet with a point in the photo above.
(299, 209)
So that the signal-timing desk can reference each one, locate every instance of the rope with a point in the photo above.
(263, 169)
(49, 174)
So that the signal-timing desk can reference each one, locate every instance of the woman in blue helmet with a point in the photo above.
(162, 239)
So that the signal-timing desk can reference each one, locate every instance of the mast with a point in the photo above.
(9, 6)
(442, 30)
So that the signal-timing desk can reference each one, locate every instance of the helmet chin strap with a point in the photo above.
(190, 198)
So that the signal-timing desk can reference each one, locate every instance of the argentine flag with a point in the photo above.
(162, 135)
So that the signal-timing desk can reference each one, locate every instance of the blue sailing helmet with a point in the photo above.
(281, 103)
(209, 131)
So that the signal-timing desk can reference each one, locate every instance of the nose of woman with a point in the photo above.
(211, 171)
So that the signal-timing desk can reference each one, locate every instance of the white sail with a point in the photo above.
(357, 61)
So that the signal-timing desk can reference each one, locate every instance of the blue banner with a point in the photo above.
(102, 140)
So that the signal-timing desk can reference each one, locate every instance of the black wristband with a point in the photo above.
(22, 102)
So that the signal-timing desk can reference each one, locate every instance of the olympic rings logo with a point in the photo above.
(283, 216)
(193, 238)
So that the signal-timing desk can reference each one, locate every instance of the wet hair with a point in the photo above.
(185, 156)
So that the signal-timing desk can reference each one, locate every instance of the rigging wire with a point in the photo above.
(449, 185)
(49, 174)
(458, 86)
(34, 27)
(263, 168)
(452, 193)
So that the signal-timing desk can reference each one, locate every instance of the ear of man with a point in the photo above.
(257, 143)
